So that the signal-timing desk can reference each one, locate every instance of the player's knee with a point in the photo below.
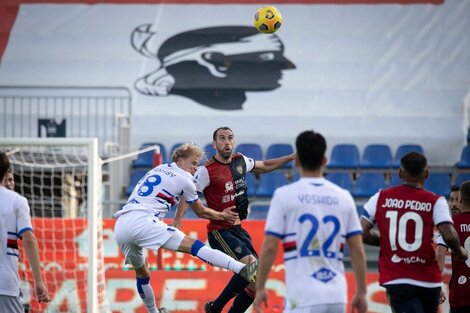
(197, 245)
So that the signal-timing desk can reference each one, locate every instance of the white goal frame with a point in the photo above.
(94, 182)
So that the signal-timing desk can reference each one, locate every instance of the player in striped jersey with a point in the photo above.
(139, 225)
(313, 218)
(16, 225)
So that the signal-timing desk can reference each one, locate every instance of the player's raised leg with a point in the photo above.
(182, 243)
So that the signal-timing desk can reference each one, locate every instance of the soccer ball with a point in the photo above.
(268, 19)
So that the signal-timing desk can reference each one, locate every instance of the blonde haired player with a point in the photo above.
(139, 225)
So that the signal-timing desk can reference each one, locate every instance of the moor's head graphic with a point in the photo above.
(213, 66)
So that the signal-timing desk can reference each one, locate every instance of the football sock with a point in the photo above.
(215, 257)
(146, 294)
(234, 287)
(243, 301)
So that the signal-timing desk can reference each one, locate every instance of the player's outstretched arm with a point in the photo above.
(358, 260)
(30, 245)
(449, 234)
(272, 164)
(228, 215)
(180, 212)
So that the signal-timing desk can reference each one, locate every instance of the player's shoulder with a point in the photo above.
(210, 162)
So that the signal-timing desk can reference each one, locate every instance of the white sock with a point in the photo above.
(220, 259)
(146, 294)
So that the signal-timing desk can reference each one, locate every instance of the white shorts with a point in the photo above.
(320, 308)
(11, 304)
(136, 230)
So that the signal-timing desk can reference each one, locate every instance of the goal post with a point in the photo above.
(46, 170)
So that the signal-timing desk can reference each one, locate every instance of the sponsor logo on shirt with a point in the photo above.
(407, 260)
(228, 186)
(324, 275)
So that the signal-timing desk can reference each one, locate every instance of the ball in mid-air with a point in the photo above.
(268, 19)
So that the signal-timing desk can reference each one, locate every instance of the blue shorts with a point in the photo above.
(233, 241)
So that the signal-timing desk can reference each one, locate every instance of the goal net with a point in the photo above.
(61, 179)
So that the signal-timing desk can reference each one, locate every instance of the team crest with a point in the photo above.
(238, 250)
(239, 169)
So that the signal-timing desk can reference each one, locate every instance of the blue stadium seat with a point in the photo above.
(344, 156)
(146, 159)
(464, 158)
(252, 150)
(173, 148)
(377, 157)
(209, 152)
(394, 180)
(258, 212)
(136, 175)
(439, 183)
(277, 150)
(404, 149)
(269, 182)
(343, 180)
(250, 184)
(295, 177)
(461, 178)
(368, 184)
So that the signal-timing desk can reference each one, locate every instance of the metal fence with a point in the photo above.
(102, 112)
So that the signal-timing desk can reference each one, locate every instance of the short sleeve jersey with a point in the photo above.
(216, 181)
(313, 218)
(405, 218)
(459, 285)
(161, 188)
(14, 221)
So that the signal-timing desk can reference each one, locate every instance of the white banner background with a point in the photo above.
(364, 73)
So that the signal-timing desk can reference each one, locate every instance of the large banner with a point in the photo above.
(183, 284)
(358, 71)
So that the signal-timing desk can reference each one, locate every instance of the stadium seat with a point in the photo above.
(145, 160)
(250, 184)
(344, 156)
(209, 153)
(368, 184)
(269, 182)
(343, 180)
(377, 157)
(277, 150)
(461, 178)
(258, 212)
(136, 175)
(394, 180)
(464, 158)
(252, 150)
(439, 183)
(405, 149)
